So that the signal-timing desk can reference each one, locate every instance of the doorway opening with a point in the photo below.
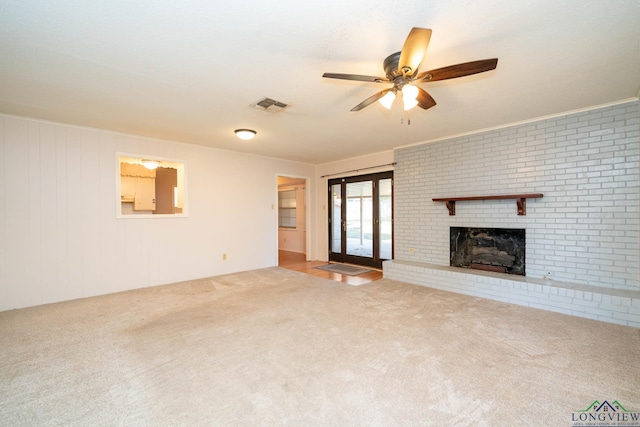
(361, 219)
(292, 217)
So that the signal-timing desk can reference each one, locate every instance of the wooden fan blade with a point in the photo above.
(370, 100)
(458, 70)
(414, 49)
(356, 77)
(425, 100)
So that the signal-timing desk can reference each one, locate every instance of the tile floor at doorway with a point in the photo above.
(297, 262)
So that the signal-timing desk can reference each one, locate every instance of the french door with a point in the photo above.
(361, 219)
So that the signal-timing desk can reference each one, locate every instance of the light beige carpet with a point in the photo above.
(276, 347)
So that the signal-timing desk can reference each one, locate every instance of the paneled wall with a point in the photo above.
(59, 235)
(584, 230)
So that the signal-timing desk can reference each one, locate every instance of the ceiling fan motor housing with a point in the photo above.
(391, 66)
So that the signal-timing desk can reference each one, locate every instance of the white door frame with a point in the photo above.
(307, 213)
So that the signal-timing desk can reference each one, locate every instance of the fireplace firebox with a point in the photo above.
(492, 249)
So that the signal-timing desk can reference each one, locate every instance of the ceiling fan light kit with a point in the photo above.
(409, 96)
(387, 99)
(401, 70)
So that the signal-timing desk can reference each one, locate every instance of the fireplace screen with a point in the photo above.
(492, 249)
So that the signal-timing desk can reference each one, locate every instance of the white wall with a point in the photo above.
(349, 167)
(59, 236)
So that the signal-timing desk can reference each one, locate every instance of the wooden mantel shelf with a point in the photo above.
(521, 200)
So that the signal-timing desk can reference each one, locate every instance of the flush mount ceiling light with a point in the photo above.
(150, 164)
(245, 134)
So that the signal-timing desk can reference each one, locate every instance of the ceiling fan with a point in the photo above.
(401, 69)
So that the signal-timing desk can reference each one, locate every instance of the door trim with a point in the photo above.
(307, 215)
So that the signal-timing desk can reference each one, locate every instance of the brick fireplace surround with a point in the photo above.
(583, 241)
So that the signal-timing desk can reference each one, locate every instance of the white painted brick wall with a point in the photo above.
(586, 228)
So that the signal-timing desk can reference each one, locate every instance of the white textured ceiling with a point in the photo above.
(190, 71)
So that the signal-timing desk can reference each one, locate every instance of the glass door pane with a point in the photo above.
(336, 218)
(359, 218)
(385, 208)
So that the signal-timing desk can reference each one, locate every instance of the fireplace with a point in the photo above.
(493, 249)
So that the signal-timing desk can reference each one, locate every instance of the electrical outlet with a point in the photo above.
(224, 257)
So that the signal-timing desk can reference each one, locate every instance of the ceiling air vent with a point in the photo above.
(271, 105)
